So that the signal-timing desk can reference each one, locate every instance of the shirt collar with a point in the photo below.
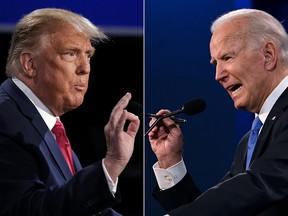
(271, 99)
(45, 113)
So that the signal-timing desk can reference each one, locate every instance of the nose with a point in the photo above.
(83, 64)
(221, 72)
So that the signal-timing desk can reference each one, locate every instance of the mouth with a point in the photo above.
(80, 87)
(235, 88)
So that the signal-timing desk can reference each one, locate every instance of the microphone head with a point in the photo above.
(135, 108)
(194, 106)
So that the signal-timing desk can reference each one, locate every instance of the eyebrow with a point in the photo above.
(213, 61)
(78, 49)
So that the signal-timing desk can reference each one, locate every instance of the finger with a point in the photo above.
(167, 121)
(133, 127)
(119, 125)
(117, 111)
(162, 112)
(133, 119)
(152, 121)
(123, 102)
(172, 126)
(131, 116)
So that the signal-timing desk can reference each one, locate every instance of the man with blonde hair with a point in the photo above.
(48, 70)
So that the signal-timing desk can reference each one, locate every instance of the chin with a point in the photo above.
(241, 107)
(238, 106)
(78, 104)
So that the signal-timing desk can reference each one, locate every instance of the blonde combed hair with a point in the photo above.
(42, 21)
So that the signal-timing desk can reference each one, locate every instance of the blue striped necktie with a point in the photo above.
(256, 125)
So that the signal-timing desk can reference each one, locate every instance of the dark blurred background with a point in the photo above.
(177, 69)
(116, 68)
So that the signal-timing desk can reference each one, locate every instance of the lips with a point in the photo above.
(235, 87)
(234, 90)
(80, 87)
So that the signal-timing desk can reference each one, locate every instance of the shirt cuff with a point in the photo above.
(112, 185)
(167, 178)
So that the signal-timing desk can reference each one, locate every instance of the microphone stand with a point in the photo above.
(159, 118)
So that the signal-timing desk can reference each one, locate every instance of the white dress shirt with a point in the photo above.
(167, 178)
(50, 121)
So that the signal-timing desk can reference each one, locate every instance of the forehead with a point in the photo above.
(229, 34)
(67, 36)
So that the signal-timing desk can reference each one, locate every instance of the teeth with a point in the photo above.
(238, 89)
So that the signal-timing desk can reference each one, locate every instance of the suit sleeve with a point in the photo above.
(183, 192)
(29, 187)
(262, 188)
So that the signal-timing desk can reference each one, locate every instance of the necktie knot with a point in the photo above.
(59, 131)
(256, 125)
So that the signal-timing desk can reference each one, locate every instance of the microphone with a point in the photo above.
(135, 108)
(191, 107)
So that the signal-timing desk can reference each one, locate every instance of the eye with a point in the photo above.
(89, 56)
(213, 62)
(69, 56)
(226, 58)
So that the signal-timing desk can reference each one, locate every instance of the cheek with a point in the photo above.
(63, 72)
(249, 69)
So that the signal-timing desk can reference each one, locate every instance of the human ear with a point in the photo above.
(28, 65)
(270, 55)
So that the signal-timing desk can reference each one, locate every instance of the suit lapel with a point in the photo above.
(55, 151)
(77, 163)
(29, 110)
(263, 135)
(276, 111)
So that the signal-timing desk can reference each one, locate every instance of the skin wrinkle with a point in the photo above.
(251, 67)
(228, 71)
(74, 68)
(50, 55)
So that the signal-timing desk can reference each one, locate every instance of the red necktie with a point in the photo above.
(64, 144)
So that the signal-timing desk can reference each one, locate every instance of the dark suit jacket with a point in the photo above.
(34, 177)
(262, 190)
